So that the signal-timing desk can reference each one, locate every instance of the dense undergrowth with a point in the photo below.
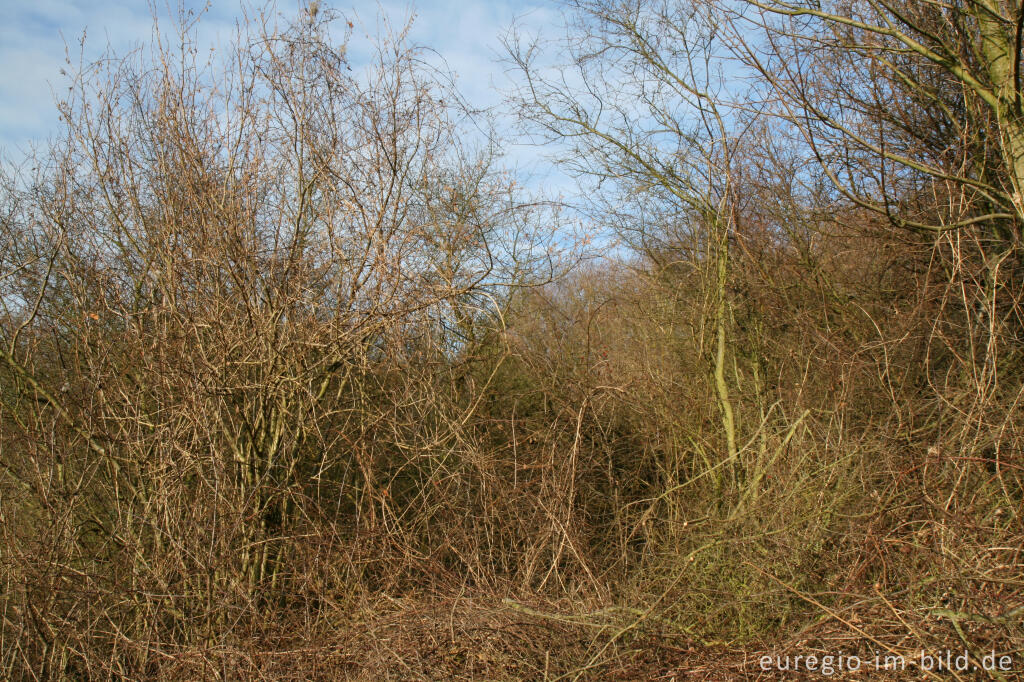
(297, 383)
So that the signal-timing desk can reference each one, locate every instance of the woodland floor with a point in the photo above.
(460, 638)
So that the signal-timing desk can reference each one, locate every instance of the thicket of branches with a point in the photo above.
(290, 361)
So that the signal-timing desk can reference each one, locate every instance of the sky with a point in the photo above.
(36, 36)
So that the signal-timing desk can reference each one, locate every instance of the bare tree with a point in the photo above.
(900, 101)
(639, 107)
(913, 110)
(230, 290)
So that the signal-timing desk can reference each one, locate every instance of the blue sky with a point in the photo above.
(34, 37)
